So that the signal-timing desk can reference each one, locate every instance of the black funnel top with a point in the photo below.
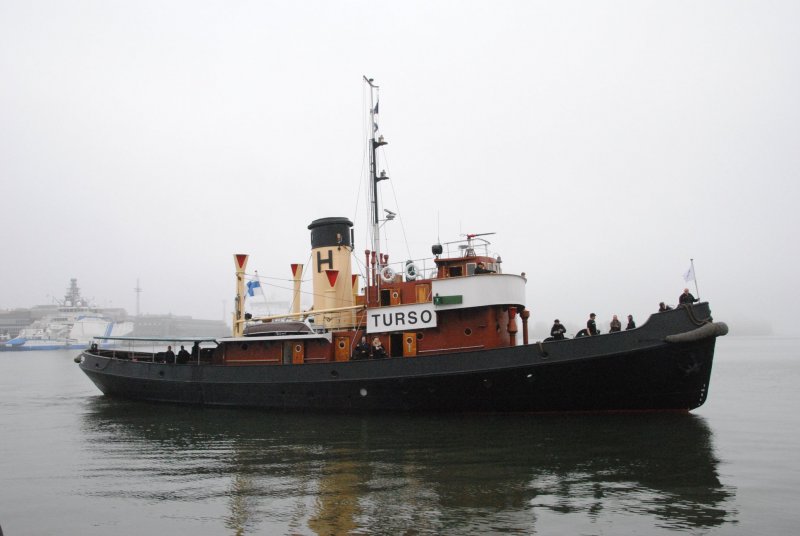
(330, 232)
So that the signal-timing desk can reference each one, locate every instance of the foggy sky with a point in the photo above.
(606, 143)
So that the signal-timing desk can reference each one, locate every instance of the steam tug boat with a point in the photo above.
(453, 337)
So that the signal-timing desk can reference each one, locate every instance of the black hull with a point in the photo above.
(628, 371)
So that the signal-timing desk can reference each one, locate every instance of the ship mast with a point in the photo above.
(138, 291)
(373, 168)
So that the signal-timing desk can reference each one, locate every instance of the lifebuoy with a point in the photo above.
(387, 274)
(411, 271)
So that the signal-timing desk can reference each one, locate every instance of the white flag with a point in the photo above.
(688, 275)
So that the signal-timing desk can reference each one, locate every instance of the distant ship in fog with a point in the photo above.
(70, 325)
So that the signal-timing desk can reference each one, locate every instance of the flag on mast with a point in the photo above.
(688, 275)
(252, 285)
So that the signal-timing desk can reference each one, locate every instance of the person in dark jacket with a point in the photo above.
(631, 323)
(686, 298)
(378, 352)
(591, 326)
(558, 330)
(362, 349)
(662, 307)
(169, 355)
(183, 356)
(482, 269)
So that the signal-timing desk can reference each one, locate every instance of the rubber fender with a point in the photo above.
(712, 329)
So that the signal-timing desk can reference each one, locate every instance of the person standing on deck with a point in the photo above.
(591, 326)
(558, 330)
(686, 298)
(183, 356)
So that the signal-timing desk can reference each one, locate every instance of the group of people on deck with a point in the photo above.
(558, 330)
(183, 356)
(365, 350)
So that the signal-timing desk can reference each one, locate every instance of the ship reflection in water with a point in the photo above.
(336, 474)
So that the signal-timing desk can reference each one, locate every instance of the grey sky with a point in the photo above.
(606, 143)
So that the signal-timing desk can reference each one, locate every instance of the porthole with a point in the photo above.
(334, 374)
(297, 348)
(244, 346)
(341, 344)
(467, 332)
(420, 335)
(161, 373)
(363, 392)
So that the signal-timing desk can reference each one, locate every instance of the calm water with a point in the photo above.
(72, 462)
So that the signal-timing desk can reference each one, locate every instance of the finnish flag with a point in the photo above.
(252, 285)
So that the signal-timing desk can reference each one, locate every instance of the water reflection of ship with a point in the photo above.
(394, 471)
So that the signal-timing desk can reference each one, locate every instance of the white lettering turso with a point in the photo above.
(401, 318)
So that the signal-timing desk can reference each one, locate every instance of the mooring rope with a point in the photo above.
(696, 321)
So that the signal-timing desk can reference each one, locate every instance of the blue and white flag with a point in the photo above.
(252, 285)
(688, 275)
